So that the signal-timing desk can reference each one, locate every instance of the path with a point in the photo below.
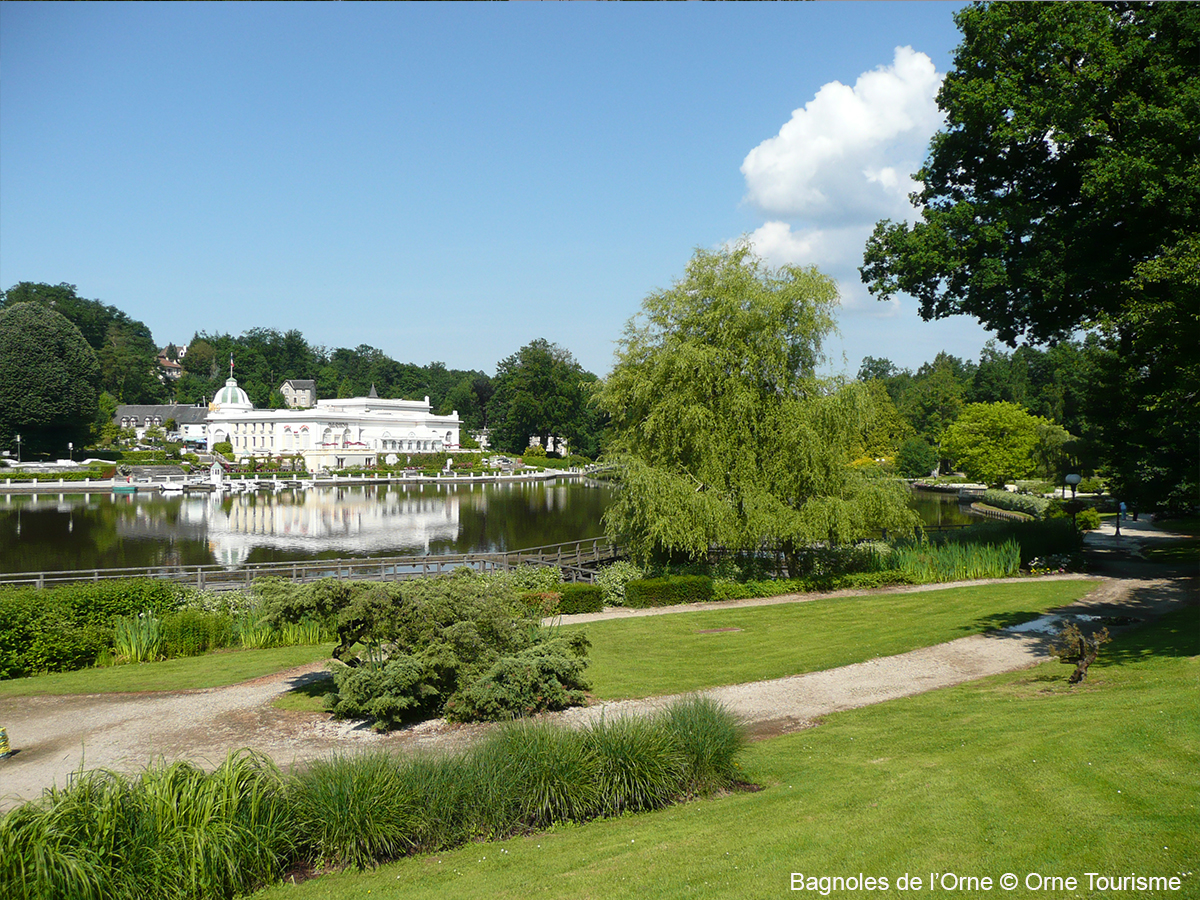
(56, 735)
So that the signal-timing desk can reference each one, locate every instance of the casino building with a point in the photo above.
(332, 434)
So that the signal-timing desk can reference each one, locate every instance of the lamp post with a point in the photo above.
(1073, 481)
(71, 450)
(18, 449)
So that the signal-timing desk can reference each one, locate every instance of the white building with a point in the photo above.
(333, 434)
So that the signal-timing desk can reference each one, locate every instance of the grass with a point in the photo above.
(1015, 773)
(1186, 550)
(690, 651)
(216, 669)
(308, 697)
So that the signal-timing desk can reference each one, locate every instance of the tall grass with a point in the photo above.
(368, 808)
(178, 833)
(927, 563)
(137, 639)
(173, 832)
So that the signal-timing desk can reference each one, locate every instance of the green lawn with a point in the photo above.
(1012, 774)
(216, 669)
(668, 654)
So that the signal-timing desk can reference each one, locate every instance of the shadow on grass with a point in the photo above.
(1176, 633)
(1000, 621)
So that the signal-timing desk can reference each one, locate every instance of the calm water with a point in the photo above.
(51, 532)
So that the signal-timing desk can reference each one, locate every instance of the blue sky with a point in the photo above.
(449, 182)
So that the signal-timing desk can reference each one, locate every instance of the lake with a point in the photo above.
(54, 532)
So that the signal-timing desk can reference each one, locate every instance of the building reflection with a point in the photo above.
(347, 521)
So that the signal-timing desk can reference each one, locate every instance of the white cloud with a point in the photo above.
(848, 153)
(839, 165)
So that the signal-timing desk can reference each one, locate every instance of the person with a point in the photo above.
(1122, 508)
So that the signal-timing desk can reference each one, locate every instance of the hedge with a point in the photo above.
(65, 628)
(581, 598)
(1022, 503)
(669, 591)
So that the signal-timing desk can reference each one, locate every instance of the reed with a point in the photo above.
(927, 563)
(137, 638)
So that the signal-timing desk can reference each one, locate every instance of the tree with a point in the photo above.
(124, 347)
(993, 442)
(1063, 194)
(723, 431)
(916, 458)
(542, 391)
(49, 381)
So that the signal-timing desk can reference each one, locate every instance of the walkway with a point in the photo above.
(55, 736)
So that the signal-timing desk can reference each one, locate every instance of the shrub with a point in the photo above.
(547, 676)
(581, 598)
(670, 591)
(1087, 520)
(1028, 504)
(613, 578)
(69, 627)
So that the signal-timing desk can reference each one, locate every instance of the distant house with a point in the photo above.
(190, 420)
(171, 367)
(299, 393)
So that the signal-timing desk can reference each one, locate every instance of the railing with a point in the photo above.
(572, 557)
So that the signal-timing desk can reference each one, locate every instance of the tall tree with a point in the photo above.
(48, 381)
(1064, 194)
(124, 347)
(724, 433)
(541, 391)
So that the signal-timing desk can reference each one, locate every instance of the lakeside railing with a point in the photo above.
(573, 557)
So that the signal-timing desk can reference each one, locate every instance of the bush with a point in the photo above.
(1028, 504)
(65, 628)
(581, 598)
(1087, 520)
(225, 448)
(613, 578)
(669, 591)
(430, 640)
(547, 676)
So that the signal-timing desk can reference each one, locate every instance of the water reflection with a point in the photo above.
(52, 532)
(104, 531)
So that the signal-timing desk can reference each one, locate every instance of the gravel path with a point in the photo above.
(55, 736)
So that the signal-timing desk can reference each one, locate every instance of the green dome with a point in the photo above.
(232, 396)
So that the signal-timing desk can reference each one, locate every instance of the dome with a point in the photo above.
(232, 396)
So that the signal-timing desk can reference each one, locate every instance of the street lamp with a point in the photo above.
(18, 449)
(71, 450)
(1073, 481)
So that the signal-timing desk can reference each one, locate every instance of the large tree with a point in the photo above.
(1063, 194)
(723, 431)
(541, 391)
(48, 381)
(124, 347)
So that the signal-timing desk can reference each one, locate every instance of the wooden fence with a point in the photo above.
(573, 557)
